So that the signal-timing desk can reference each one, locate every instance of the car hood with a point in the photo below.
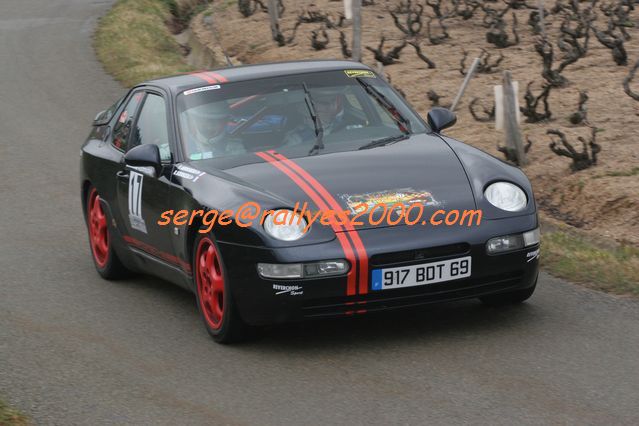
(422, 169)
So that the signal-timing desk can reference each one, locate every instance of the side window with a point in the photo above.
(152, 127)
(122, 128)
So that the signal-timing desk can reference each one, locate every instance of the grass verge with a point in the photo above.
(134, 43)
(11, 417)
(614, 269)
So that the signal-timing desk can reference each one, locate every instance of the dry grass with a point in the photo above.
(134, 43)
(11, 417)
(614, 269)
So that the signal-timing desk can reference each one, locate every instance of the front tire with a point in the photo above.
(214, 297)
(105, 259)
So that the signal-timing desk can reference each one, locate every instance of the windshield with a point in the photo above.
(238, 119)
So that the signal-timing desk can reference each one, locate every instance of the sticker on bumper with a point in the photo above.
(291, 290)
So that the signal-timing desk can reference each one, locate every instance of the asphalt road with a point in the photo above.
(78, 350)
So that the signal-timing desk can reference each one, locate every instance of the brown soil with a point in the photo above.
(602, 200)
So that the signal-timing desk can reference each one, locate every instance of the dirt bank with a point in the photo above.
(603, 200)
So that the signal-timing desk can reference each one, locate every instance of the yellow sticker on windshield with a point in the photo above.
(359, 73)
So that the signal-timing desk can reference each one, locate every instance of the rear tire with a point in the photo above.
(213, 293)
(104, 257)
(510, 298)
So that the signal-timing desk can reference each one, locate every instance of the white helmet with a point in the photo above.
(211, 111)
(210, 119)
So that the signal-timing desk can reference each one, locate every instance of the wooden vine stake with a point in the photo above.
(348, 9)
(274, 18)
(542, 24)
(462, 89)
(357, 30)
(507, 117)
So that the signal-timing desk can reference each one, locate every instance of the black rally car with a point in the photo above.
(324, 134)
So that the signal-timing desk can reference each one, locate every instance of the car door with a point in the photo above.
(143, 195)
(103, 175)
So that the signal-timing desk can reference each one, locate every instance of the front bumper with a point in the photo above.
(263, 301)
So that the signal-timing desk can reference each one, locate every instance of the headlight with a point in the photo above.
(506, 196)
(285, 225)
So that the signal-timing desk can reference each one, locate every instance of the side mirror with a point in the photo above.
(441, 118)
(144, 156)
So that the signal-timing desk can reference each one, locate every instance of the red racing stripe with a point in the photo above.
(218, 77)
(206, 77)
(351, 286)
(352, 233)
(158, 253)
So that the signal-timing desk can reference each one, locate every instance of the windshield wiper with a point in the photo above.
(384, 141)
(319, 129)
(402, 123)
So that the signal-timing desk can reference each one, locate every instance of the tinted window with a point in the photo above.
(122, 128)
(107, 115)
(152, 127)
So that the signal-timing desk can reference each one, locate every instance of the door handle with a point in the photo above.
(123, 175)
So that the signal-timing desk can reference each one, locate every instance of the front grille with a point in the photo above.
(431, 253)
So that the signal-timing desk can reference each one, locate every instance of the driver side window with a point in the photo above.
(122, 128)
(152, 127)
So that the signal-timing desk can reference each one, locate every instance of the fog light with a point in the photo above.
(505, 243)
(531, 237)
(328, 267)
(303, 270)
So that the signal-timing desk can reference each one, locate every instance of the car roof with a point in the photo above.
(179, 83)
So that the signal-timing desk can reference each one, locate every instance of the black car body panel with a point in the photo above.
(417, 162)
(454, 173)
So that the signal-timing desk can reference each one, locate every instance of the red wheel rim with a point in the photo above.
(98, 231)
(210, 282)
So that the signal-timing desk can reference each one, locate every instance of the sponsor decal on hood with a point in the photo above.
(404, 196)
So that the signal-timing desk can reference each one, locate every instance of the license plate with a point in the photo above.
(425, 273)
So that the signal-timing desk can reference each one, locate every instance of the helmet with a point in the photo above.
(214, 110)
(328, 102)
(209, 120)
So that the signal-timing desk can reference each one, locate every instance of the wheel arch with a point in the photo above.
(190, 238)
(85, 194)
